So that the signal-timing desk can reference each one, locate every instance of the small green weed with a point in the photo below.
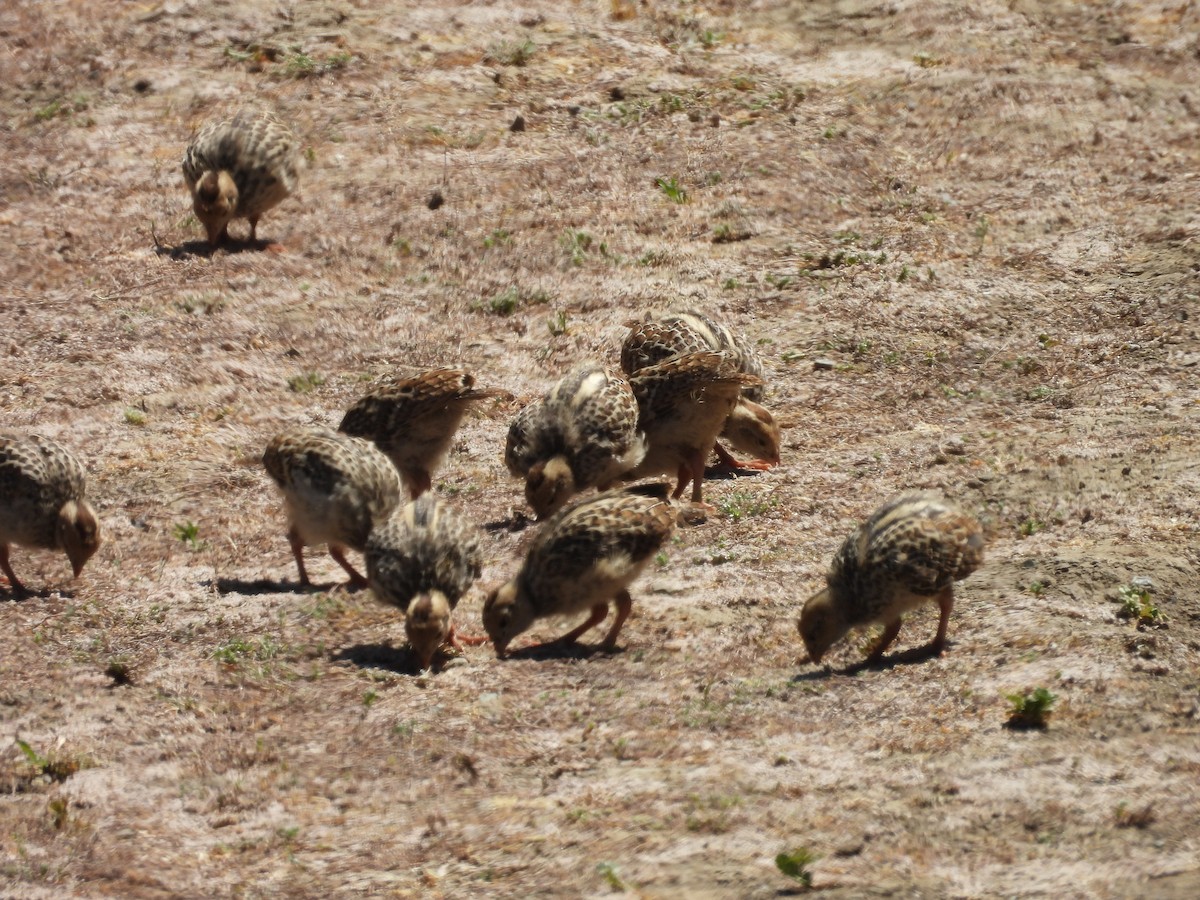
(511, 53)
(608, 872)
(743, 505)
(305, 383)
(1136, 604)
(189, 533)
(134, 417)
(557, 324)
(56, 768)
(794, 864)
(1030, 710)
(671, 189)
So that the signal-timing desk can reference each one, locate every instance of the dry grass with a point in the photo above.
(963, 236)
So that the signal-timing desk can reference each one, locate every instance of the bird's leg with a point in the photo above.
(685, 475)
(339, 556)
(271, 246)
(15, 582)
(885, 640)
(696, 463)
(458, 641)
(599, 613)
(624, 605)
(729, 461)
(946, 601)
(298, 552)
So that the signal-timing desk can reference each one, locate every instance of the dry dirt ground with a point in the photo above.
(965, 239)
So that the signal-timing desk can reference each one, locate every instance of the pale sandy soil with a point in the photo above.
(965, 240)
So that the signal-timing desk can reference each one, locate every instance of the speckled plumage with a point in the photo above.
(240, 168)
(909, 552)
(750, 427)
(683, 403)
(413, 420)
(336, 488)
(582, 434)
(687, 332)
(422, 560)
(42, 486)
(585, 555)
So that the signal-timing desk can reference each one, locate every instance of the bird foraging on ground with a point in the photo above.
(239, 168)
(582, 434)
(413, 420)
(336, 488)
(683, 402)
(908, 553)
(42, 486)
(422, 560)
(586, 555)
(750, 427)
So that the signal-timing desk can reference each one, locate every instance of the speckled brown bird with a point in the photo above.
(413, 420)
(42, 486)
(422, 560)
(750, 427)
(582, 434)
(585, 555)
(910, 552)
(239, 168)
(336, 488)
(683, 402)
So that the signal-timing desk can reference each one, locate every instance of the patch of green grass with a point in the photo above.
(576, 245)
(511, 53)
(498, 238)
(305, 383)
(671, 188)
(744, 505)
(189, 533)
(1030, 710)
(134, 417)
(608, 872)
(794, 864)
(55, 767)
(1031, 526)
(557, 324)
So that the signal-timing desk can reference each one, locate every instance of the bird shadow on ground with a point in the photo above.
(378, 656)
(557, 650)
(206, 250)
(7, 594)
(257, 586)
(721, 472)
(518, 521)
(904, 658)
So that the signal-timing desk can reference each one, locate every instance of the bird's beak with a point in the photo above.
(78, 566)
(501, 650)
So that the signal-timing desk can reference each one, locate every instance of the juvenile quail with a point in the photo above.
(584, 556)
(240, 168)
(750, 427)
(42, 503)
(336, 488)
(413, 420)
(423, 559)
(683, 403)
(910, 552)
(582, 434)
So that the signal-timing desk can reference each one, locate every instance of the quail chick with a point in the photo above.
(413, 420)
(240, 168)
(585, 555)
(42, 503)
(423, 559)
(582, 434)
(910, 552)
(336, 488)
(750, 428)
(683, 402)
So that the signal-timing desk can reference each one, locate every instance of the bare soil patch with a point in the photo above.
(965, 239)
